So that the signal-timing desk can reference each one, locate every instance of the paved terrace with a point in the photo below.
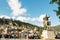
(28, 39)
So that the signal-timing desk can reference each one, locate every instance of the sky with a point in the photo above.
(29, 11)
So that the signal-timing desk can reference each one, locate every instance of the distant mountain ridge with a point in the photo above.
(57, 28)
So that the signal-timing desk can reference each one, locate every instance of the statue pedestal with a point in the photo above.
(48, 34)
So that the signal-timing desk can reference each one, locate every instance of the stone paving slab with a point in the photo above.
(29, 39)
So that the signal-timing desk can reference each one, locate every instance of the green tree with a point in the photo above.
(58, 3)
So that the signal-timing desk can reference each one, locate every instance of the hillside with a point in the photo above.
(4, 21)
(57, 28)
(18, 23)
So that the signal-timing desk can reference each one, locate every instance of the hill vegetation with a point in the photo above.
(20, 24)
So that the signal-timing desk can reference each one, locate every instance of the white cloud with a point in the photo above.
(34, 19)
(40, 18)
(15, 6)
(23, 19)
(26, 19)
(6, 17)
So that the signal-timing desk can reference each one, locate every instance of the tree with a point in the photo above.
(58, 3)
